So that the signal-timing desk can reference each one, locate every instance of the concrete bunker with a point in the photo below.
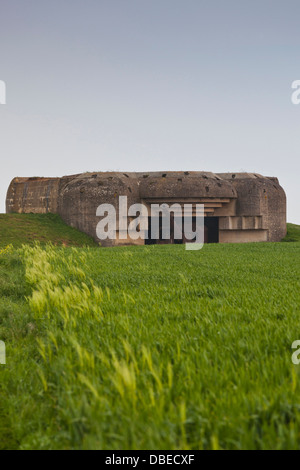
(239, 207)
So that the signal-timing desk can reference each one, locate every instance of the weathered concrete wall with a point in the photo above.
(250, 207)
(261, 196)
(180, 185)
(80, 196)
(33, 195)
(243, 236)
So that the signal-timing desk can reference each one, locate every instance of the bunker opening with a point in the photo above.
(211, 230)
(177, 235)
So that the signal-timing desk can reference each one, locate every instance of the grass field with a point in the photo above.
(293, 233)
(17, 229)
(150, 347)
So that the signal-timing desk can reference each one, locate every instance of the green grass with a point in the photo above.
(19, 229)
(150, 347)
(293, 233)
(14, 331)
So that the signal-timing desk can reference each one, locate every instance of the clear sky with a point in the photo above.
(141, 85)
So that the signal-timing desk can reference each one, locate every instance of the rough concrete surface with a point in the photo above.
(248, 207)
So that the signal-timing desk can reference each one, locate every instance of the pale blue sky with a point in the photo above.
(140, 85)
